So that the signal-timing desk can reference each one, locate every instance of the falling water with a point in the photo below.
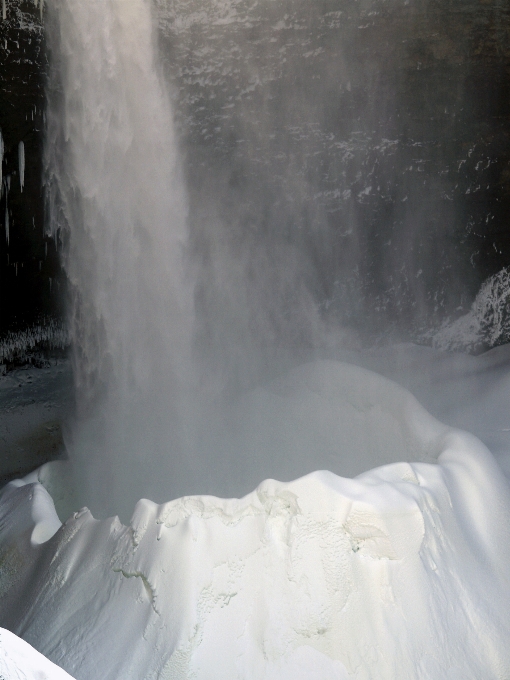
(118, 208)
(292, 254)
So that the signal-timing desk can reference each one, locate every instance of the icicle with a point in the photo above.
(1, 156)
(41, 5)
(4, 10)
(36, 2)
(21, 161)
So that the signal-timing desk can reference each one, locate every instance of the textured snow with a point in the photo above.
(20, 661)
(399, 573)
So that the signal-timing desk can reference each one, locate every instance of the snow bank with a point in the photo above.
(20, 661)
(467, 392)
(399, 573)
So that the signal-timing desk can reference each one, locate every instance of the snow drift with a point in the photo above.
(20, 661)
(399, 573)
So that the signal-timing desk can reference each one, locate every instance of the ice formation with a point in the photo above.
(6, 216)
(1, 161)
(486, 324)
(399, 573)
(21, 163)
(48, 334)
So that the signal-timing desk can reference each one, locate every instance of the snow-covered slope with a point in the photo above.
(400, 573)
(20, 661)
(467, 392)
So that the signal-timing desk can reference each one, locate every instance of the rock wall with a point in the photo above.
(374, 135)
(362, 146)
(29, 271)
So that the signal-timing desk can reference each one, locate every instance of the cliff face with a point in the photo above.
(373, 134)
(29, 270)
(372, 138)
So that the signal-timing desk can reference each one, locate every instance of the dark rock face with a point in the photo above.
(29, 269)
(355, 150)
(371, 136)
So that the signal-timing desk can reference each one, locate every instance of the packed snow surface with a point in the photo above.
(400, 573)
(20, 661)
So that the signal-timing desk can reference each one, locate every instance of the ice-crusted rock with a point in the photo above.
(399, 573)
(487, 323)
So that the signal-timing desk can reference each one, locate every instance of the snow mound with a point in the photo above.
(399, 573)
(20, 661)
(320, 415)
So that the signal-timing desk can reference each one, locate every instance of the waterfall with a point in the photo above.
(117, 208)
(293, 258)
